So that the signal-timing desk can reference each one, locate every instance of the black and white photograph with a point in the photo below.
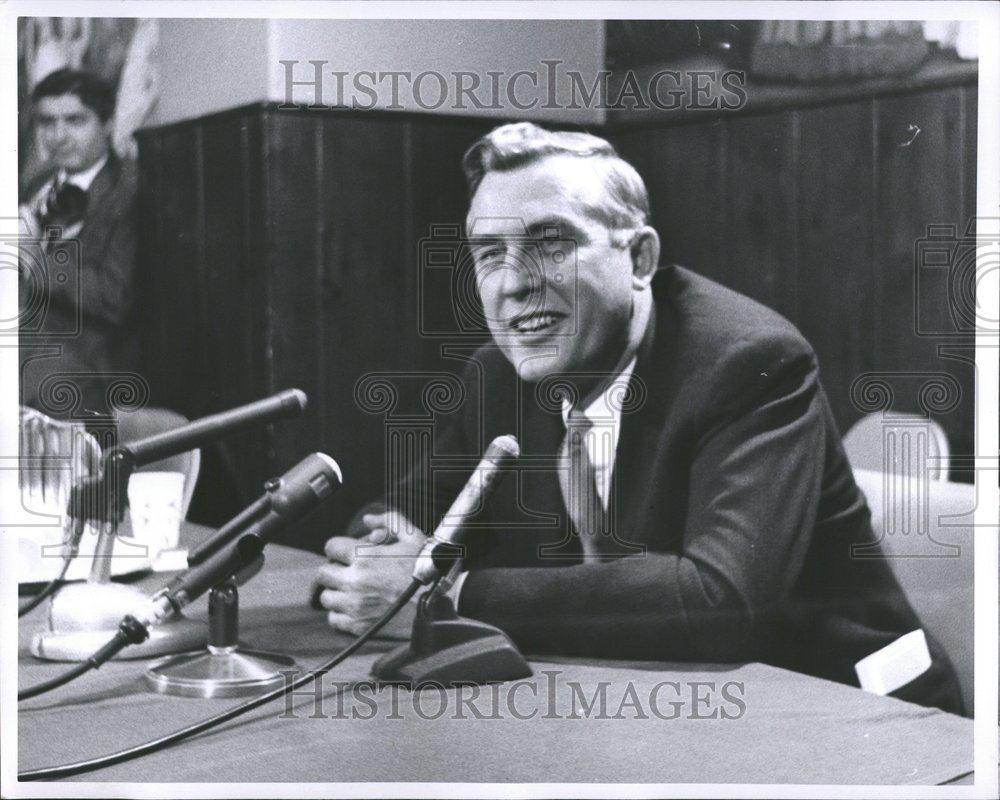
(498, 399)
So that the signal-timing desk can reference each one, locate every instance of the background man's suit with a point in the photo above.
(99, 305)
(730, 474)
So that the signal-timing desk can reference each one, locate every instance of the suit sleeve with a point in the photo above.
(753, 496)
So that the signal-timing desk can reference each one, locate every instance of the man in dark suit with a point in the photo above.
(683, 494)
(77, 250)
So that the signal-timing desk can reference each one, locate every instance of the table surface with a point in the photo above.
(790, 728)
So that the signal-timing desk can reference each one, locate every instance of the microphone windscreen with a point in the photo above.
(294, 400)
(502, 448)
(445, 546)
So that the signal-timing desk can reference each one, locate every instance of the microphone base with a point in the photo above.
(82, 617)
(446, 650)
(218, 673)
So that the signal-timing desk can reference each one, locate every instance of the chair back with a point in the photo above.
(899, 444)
(926, 533)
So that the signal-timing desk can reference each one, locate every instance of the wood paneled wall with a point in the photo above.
(281, 249)
(819, 213)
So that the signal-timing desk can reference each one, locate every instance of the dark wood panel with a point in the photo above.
(173, 275)
(835, 307)
(758, 227)
(285, 249)
(234, 279)
(366, 213)
(438, 204)
(818, 212)
(293, 353)
(684, 170)
(919, 184)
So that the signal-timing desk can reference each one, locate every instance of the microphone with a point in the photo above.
(444, 648)
(444, 546)
(289, 498)
(286, 498)
(104, 497)
(284, 405)
(92, 607)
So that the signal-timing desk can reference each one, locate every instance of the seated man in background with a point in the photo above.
(78, 247)
(689, 449)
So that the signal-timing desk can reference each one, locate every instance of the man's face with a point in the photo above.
(71, 132)
(550, 308)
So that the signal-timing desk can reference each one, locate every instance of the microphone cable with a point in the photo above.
(49, 588)
(66, 770)
(130, 631)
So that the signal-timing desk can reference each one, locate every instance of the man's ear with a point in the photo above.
(645, 252)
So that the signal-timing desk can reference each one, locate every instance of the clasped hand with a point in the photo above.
(368, 571)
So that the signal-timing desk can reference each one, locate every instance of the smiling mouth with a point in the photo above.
(536, 322)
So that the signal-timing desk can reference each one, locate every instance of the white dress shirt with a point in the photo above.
(82, 179)
(605, 416)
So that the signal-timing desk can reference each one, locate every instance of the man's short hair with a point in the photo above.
(521, 143)
(93, 92)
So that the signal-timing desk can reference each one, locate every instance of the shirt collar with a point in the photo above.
(606, 406)
(86, 177)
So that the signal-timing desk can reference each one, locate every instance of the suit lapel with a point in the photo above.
(102, 211)
(549, 539)
(543, 432)
(639, 440)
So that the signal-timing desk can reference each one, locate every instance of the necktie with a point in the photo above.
(64, 206)
(578, 482)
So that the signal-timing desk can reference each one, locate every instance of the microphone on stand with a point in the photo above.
(82, 616)
(444, 648)
(444, 546)
(223, 670)
(220, 565)
(284, 405)
(287, 499)
(105, 496)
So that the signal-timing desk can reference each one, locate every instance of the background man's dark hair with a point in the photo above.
(92, 90)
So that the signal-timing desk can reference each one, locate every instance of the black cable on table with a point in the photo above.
(47, 591)
(49, 588)
(55, 683)
(130, 631)
(65, 770)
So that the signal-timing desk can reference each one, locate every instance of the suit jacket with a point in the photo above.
(731, 497)
(83, 324)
